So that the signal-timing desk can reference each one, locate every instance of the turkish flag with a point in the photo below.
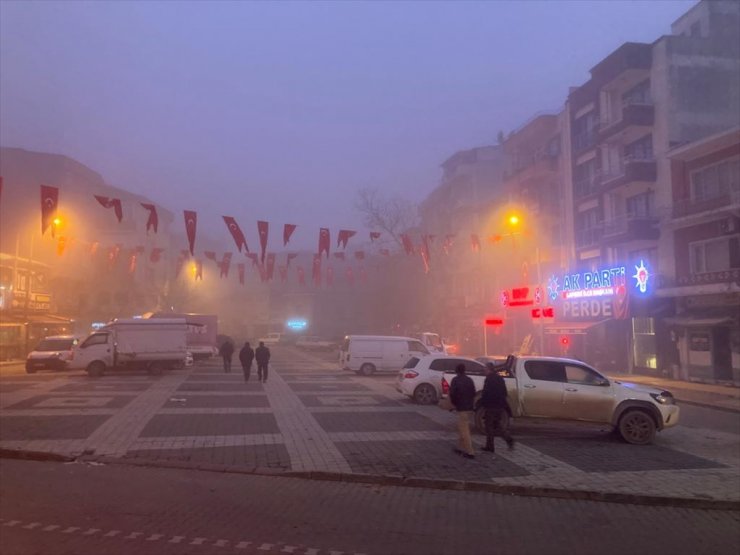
(49, 204)
(254, 258)
(225, 265)
(236, 233)
(133, 257)
(153, 220)
(210, 255)
(288, 230)
(350, 275)
(324, 241)
(475, 243)
(283, 271)
(374, 235)
(242, 269)
(270, 268)
(408, 246)
(343, 236)
(301, 275)
(330, 276)
(621, 304)
(263, 229)
(291, 256)
(360, 255)
(339, 255)
(114, 203)
(316, 272)
(156, 254)
(191, 224)
(113, 254)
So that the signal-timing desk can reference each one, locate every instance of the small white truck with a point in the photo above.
(147, 344)
(565, 389)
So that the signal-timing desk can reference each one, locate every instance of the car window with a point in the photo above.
(545, 370)
(95, 339)
(474, 368)
(451, 363)
(54, 345)
(439, 365)
(582, 375)
(417, 347)
(413, 361)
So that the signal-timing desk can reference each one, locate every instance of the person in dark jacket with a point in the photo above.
(262, 354)
(246, 356)
(493, 402)
(226, 351)
(462, 397)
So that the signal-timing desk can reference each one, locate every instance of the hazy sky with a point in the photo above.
(281, 111)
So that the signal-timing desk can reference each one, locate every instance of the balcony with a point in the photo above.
(588, 238)
(584, 141)
(631, 170)
(586, 187)
(717, 204)
(630, 228)
(634, 118)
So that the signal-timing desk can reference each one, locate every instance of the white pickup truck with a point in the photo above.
(560, 388)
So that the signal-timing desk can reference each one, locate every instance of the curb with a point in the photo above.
(393, 480)
(707, 406)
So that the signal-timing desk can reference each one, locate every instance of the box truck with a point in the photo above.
(147, 344)
(201, 335)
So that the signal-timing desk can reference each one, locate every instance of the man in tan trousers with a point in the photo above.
(462, 397)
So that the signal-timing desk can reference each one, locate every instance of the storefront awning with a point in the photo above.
(569, 328)
(687, 322)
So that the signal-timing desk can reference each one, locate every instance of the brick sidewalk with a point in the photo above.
(311, 416)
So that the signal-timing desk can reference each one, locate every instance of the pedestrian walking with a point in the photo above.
(246, 356)
(226, 351)
(493, 402)
(262, 354)
(462, 397)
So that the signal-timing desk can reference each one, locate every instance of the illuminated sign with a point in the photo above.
(519, 296)
(642, 276)
(547, 312)
(494, 321)
(297, 324)
(601, 283)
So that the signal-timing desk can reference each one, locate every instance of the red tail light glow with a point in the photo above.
(445, 387)
(410, 375)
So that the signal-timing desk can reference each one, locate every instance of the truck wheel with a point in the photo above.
(96, 369)
(637, 427)
(155, 369)
(367, 369)
(425, 394)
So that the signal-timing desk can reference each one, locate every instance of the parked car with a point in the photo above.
(271, 339)
(421, 377)
(561, 388)
(52, 353)
(313, 343)
(367, 354)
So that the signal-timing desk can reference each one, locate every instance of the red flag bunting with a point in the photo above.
(301, 275)
(291, 256)
(343, 236)
(330, 276)
(49, 204)
(152, 221)
(113, 254)
(374, 235)
(242, 269)
(210, 255)
(263, 228)
(283, 271)
(424, 250)
(270, 268)
(350, 275)
(156, 254)
(114, 203)
(324, 241)
(288, 230)
(339, 255)
(447, 243)
(191, 224)
(236, 233)
(408, 246)
(316, 273)
(225, 265)
(360, 255)
(254, 258)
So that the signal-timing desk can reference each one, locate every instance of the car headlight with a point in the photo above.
(664, 398)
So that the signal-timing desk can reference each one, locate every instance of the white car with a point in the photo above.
(271, 339)
(421, 377)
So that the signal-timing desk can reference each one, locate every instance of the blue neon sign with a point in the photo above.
(603, 282)
(297, 325)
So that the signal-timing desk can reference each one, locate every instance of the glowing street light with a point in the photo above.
(57, 221)
(513, 220)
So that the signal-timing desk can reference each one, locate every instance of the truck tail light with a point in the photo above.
(445, 387)
(410, 375)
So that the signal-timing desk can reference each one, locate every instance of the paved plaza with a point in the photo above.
(313, 417)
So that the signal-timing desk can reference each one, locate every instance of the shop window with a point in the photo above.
(715, 255)
(699, 342)
(644, 353)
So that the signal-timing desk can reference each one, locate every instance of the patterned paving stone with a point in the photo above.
(613, 455)
(375, 422)
(39, 427)
(327, 387)
(316, 377)
(68, 402)
(209, 425)
(184, 401)
(347, 401)
(211, 377)
(102, 386)
(220, 386)
(426, 459)
(13, 387)
(249, 456)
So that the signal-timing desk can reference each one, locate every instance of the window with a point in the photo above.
(699, 341)
(641, 149)
(716, 180)
(417, 347)
(48, 345)
(643, 254)
(439, 365)
(413, 361)
(95, 339)
(639, 94)
(584, 376)
(474, 368)
(640, 206)
(545, 371)
(715, 255)
(644, 348)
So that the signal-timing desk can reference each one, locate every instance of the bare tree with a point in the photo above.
(392, 215)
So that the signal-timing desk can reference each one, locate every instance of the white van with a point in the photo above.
(432, 341)
(367, 354)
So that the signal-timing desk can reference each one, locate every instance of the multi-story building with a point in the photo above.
(705, 283)
(640, 102)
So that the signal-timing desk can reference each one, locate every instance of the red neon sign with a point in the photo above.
(547, 312)
(494, 321)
